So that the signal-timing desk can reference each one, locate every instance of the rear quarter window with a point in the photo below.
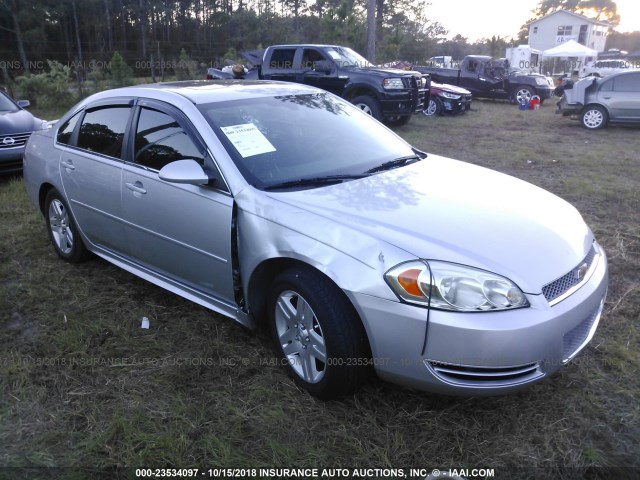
(102, 130)
(65, 132)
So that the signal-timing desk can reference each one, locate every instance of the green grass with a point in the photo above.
(83, 386)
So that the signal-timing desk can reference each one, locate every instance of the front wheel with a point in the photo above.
(522, 94)
(62, 229)
(368, 105)
(318, 333)
(434, 108)
(594, 117)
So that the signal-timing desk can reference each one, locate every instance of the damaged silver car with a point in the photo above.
(284, 205)
(596, 102)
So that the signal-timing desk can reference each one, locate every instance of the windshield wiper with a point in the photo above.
(398, 162)
(314, 181)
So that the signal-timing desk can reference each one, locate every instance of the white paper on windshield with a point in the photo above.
(248, 140)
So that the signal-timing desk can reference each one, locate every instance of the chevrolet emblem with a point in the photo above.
(582, 271)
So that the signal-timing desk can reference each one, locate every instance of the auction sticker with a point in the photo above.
(248, 140)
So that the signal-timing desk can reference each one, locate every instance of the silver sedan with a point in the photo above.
(283, 205)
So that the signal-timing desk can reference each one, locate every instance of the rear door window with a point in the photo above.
(627, 83)
(282, 58)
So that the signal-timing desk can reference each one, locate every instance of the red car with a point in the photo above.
(447, 99)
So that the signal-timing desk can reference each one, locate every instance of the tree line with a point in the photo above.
(78, 32)
(152, 35)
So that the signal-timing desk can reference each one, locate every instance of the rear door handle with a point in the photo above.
(68, 164)
(136, 187)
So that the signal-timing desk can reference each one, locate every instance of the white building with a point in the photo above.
(561, 25)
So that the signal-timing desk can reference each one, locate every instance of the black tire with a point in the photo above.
(434, 108)
(368, 105)
(594, 117)
(318, 334)
(62, 229)
(397, 120)
(522, 92)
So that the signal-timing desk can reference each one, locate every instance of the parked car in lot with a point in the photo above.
(447, 99)
(281, 204)
(486, 77)
(390, 95)
(596, 102)
(16, 125)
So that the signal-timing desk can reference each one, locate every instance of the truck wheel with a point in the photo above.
(368, 105)
(522, 94)
(434, 108)
(594, 117)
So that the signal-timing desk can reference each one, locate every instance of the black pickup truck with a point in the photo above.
(485, 77)
(387, 94)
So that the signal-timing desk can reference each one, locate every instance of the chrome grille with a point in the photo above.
(555, 289)
(576, 339)
(485, 376)
(14, 140)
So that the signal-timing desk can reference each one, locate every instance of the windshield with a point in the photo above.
(345, 57)
(275, 140)
(6, 104)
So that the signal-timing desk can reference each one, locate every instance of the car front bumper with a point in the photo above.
(404, 101)
(567, 109)
(544, 92)
(454, 106)
(481, 353)
(11, 159)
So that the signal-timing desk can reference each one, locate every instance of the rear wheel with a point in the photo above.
(62, 229)
(318, 333)
(594, 117)
(368, 105)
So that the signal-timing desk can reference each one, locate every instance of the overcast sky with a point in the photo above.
(476, 19)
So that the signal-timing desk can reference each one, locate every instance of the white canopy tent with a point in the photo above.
(569, 49)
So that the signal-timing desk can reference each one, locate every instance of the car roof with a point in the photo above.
(304, 45)
(615, 75)
(206, 91)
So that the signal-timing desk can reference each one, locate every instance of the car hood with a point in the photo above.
(16, 122)
(454, 211)
(385, 72)
(449, 88)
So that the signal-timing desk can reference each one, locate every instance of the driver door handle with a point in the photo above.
(136, 187)
(68, 164)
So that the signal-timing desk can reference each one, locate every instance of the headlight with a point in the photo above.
(541, 81)
(392, 83)
(453, 96)
(450, 286)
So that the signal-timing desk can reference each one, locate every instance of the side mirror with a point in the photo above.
(23, 103)
(184, 171)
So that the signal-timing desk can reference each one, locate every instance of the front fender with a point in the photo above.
(352, 90)
(269, 231)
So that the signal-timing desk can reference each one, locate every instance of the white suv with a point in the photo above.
(602, 68)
